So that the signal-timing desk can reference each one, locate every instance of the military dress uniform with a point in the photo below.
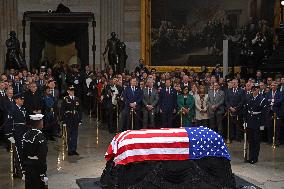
(71, 118)
(35, 151)
(255, 109)
(15, 128)
(49, 120)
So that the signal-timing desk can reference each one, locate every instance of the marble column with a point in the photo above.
(112, 20)
(8, 22)
(225, 58)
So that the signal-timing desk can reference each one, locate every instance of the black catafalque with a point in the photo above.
(201, 160)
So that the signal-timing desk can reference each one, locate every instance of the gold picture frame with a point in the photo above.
(146, 42)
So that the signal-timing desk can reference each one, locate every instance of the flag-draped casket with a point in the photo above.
(168, 158)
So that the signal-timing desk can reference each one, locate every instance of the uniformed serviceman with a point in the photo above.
(15, 128)
(255, 111)
(35, 150)
(71, 119)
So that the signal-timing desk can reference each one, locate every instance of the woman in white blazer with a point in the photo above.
(201, 107)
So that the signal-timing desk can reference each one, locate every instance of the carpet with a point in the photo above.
(93, 183)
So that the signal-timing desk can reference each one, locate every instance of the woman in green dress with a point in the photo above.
(186, 107)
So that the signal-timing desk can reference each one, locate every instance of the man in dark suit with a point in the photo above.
(168, 103)
(17, 86)
(150, 101)
(7, 102)
(132, 97)
(274, 99)
(33, 100)
(234, 102)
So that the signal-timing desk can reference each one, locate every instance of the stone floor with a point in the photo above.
(93, 142)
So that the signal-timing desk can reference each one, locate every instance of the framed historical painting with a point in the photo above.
(190, 33)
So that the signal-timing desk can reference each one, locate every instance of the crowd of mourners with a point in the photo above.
(147, 99)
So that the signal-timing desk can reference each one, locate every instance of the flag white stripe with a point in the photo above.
(151, 151)
(150, 131)
(152, 140)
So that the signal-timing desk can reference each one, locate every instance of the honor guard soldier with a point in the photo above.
(255, 111)
(15, 127)
(71, 119)
(35, 150)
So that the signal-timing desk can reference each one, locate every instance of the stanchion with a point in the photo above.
(228, 141)
(274, 131)
(64, 137)
(245, 143)
(90, 109)
(181, 120)
(12, 158)
(132, 118)
(117, 117)
(97, 121)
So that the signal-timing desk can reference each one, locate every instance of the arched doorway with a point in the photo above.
(60, 30)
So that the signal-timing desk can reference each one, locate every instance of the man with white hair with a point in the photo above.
(150, 100)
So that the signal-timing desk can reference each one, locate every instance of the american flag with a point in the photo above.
(166, 144)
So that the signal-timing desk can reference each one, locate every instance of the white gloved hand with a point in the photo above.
(45, 180)
(12, 140)
(80, 123)
(262, 128)
(64, 125)
(24, 177)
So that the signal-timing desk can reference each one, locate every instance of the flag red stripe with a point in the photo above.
(150, 135)
(153, 157)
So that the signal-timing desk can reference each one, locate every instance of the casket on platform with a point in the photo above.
(172, 158)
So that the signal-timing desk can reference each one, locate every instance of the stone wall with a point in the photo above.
(8, 22)
(120, 16)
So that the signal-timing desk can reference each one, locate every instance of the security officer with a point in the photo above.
(255, 111)
(34, 155)
(15, 128)
(71, 119)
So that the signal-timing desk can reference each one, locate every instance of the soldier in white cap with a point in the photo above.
(34, 155)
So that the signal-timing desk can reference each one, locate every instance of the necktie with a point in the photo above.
(18, 87)
(214, 94)
(168, 90)
(52, 92)
(150, 92)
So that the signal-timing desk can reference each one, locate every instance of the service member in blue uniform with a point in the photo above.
(35, 150)
(15, 128)
(71, 119)
(49, 120)
(255, 111)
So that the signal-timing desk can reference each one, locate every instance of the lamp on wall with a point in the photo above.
(282, 3)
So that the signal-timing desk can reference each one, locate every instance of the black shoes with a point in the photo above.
(73, 153)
